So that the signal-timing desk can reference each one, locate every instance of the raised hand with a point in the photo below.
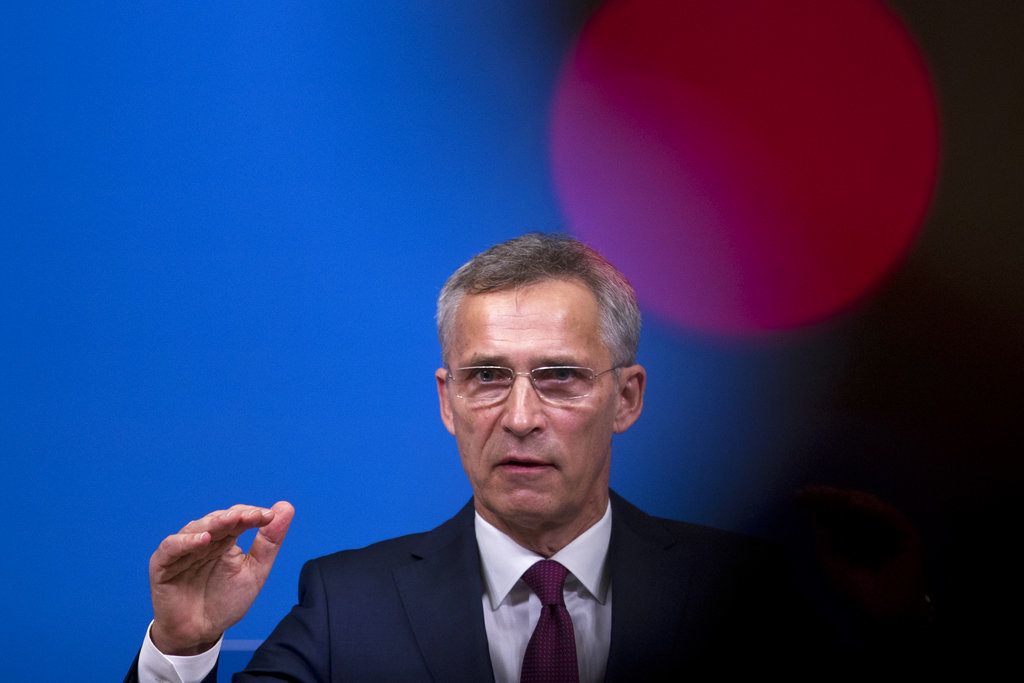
(202, 583)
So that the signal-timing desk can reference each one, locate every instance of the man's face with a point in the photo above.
(534, 465)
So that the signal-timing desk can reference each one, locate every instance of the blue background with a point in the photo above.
(222, 225)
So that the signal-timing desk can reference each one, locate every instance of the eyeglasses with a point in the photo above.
(484, 385)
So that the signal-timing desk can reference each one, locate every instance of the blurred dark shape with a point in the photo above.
(869, 550)
(860, 562)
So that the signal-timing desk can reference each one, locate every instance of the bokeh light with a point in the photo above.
(751, 166)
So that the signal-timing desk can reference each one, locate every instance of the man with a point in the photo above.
(538, 337)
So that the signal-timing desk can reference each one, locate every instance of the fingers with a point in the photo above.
(268, 540)
(170, 566)
(177, 546)
(183, 552)
(247, 516)
(219, 518)
(215, 534)
(209, 535)
(230, 522)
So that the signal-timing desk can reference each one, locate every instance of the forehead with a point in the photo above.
(550, 322)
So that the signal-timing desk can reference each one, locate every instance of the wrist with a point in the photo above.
(179, 647)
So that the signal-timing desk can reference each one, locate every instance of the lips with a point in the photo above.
(513, 462)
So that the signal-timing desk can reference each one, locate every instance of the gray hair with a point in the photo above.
(536, 257)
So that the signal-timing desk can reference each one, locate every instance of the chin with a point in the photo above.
(528, 509)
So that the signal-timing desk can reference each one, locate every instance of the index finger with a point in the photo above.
(231, 522)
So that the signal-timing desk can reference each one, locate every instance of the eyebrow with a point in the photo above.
(556, 360)
(476, 360)
(503, 361)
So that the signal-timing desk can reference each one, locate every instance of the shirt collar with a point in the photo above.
(504, 561)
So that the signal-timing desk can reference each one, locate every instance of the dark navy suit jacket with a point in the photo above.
(686, 599)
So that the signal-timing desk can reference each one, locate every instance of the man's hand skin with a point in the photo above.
(202, 583)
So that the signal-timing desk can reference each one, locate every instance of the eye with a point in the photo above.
(485, 375)
(558, 375)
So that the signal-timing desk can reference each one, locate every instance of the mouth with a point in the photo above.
(524, 464)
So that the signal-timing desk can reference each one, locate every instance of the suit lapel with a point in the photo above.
(442, 592)
(649, 590)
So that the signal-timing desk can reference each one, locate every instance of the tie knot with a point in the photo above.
(546, 578)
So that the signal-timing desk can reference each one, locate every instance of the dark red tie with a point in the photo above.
(551, 654)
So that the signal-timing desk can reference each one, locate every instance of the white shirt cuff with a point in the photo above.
(156, 667)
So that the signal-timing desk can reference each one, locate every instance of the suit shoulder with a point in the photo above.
(693, 539)
(382, 554)
(393, 552)
(686, 532)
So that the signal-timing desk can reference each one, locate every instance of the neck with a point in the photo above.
(546, 538)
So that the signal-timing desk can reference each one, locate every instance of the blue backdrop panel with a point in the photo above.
(224, 226)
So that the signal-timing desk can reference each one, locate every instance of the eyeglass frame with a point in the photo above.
(594, 376)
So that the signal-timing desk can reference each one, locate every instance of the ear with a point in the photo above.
(630, 397)
(442, 398)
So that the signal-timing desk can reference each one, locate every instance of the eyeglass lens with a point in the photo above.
(483, 384)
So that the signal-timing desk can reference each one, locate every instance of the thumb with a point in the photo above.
(269, 538)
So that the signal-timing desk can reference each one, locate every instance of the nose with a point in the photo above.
(523, 411)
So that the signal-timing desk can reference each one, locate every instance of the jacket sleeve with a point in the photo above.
(299, 648)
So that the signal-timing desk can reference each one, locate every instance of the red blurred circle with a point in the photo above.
(748, 165)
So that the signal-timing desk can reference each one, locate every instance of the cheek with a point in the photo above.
(592, 435)
(582, 434)
(471, 432)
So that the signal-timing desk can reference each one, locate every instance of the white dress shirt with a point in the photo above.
(511, 610)
(156, 667)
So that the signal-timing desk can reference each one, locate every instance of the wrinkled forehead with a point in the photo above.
(554, 322)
